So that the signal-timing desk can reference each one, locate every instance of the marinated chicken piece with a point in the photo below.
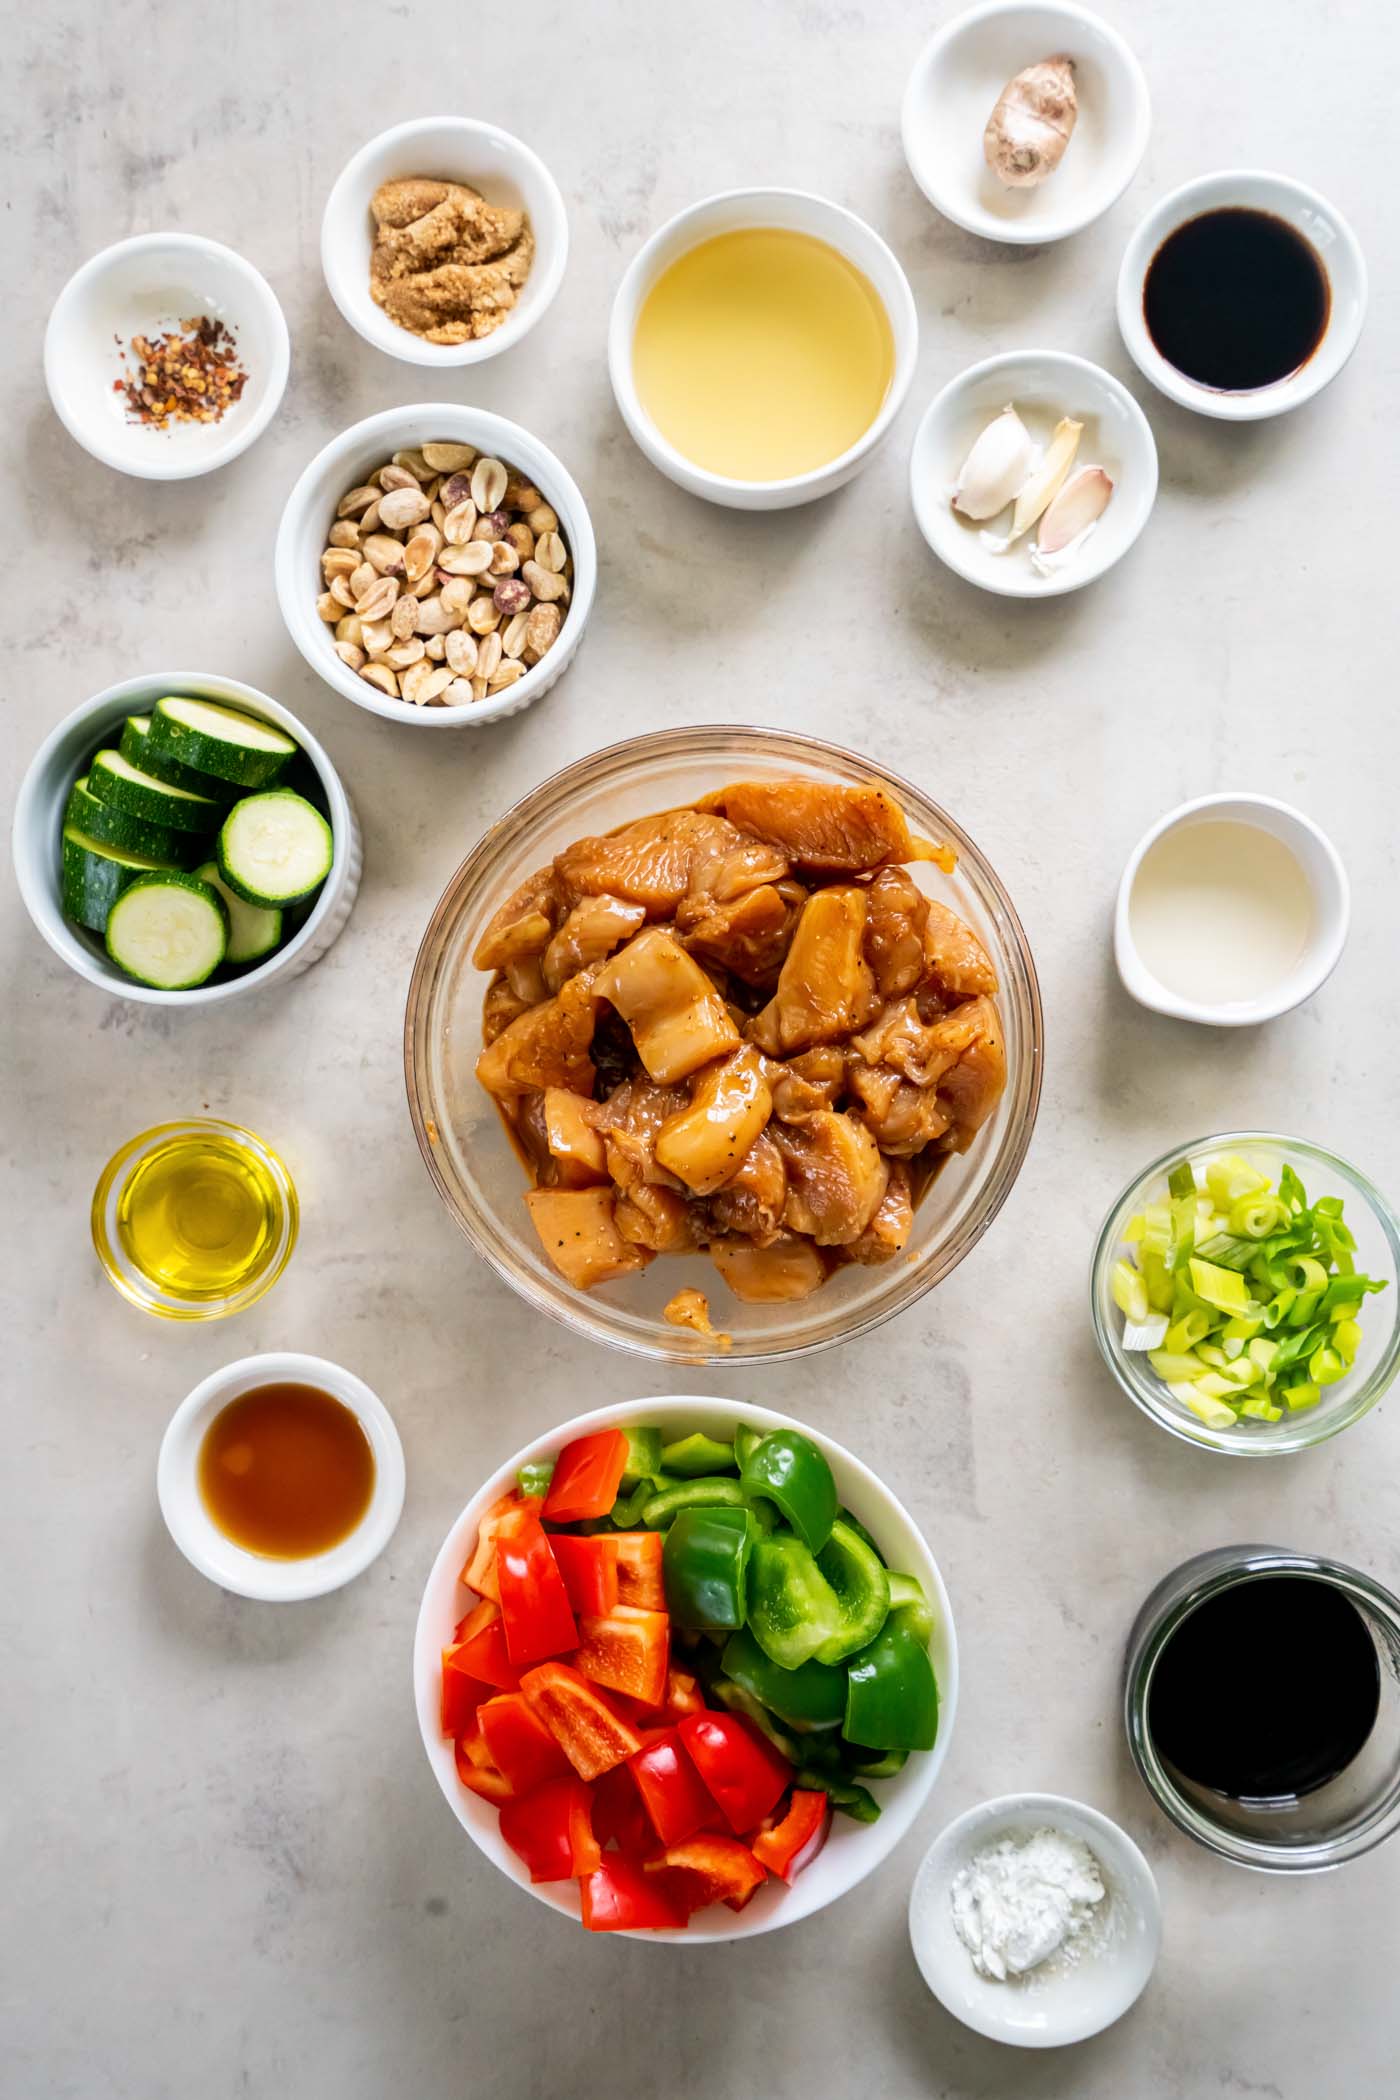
(957, 962)
(578, 1232)
(971, 1090)
(525, 976)
(594, 927)
(789, 1268)
(548, 1046)
(825, 988)
(888, 1232)
(826, 829)
(807, 1083)
(691, 1308)
(726, 866)
(836, 1178)
(748, 936)
(896, 913)
(647, 863)
(629, 1121)
(919, 1051)
(573, 1143)
(705, 1144)
(499, 1008)
(660, 1220)
(677, 1018)
(752, 1202)
(901, 1118)
(524, 923)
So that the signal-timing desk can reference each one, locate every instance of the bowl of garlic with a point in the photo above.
(1032, 473)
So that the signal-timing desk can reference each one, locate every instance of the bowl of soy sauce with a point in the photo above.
(1262, 1705)
(1242, 295)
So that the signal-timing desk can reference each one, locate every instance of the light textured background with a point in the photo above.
(228, 1870)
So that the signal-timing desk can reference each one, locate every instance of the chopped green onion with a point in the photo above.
(1191, 1328)
(1223, 1288)
(1129, 1291)
(1181, 1181)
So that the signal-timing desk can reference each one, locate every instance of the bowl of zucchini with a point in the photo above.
(182, 837)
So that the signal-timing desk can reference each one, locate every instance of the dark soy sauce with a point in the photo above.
(1266, 1690)
(1235, 299)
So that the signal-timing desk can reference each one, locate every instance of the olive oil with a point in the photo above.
(194, 1220)
(762, 354)
(286, 1471)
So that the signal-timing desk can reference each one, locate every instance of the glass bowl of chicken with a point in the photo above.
(724, 1043)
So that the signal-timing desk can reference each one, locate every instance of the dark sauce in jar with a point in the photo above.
(1236, 299)
(1267, 1690)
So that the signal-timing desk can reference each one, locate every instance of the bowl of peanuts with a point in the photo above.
(436, 565)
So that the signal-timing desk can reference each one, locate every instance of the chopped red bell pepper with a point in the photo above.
(592, 1734)
(535, 1610)
(519, 1744)
(740, 1767)
(620, 1896)
(619, 1817)
(711, 1869)
(639, 1579)
(551, 1828)
(480, 1572)
(671, 1789)
(462, 1694)
(794, 1843)
(481, 1648)
(482, 1779)
(683, 1695)
(586, 1477)
(589, 1569)
(627, 1651)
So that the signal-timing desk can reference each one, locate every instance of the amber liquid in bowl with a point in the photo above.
(286, 1471)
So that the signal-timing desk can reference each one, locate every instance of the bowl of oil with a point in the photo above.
(281, 1477)
(761, 345)
(194, 1220)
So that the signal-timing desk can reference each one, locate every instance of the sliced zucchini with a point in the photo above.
(117, 827)
(95, 873)
(220, 740)
(275, 848)
(254, 930)
(115, 779)
(135, 746)
(169, 931)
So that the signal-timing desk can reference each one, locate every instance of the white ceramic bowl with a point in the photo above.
(1337, 248)
(38, 827)
(1062, 2002)
(1331, 899)
(801, 212)
(445, 149)
(1044, 385)
(853, 1850)
(256, 1574)
(148, 286)
(344, 462)
(955, 85)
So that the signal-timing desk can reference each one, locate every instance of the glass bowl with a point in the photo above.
(1377, 1231)
(474, 1166)
(1358, 1809)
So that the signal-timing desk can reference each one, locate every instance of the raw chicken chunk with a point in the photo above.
(825, 988)
(836, 1177)
(825, 830)
(678, 1020)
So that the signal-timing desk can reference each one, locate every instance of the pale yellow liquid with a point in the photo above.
(1220, 912)
(762, 353)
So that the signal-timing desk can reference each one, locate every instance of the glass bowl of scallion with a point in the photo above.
(1245, 1292)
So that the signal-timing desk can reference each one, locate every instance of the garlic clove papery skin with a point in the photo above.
(995, 468)
(1080, 503)
(1044, 484)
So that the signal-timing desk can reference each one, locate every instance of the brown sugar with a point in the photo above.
(446, 265)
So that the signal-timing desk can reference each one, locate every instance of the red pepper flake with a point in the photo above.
(189, 378)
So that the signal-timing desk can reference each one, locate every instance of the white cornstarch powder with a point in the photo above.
(1022, 1899)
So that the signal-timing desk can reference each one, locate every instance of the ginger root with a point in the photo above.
(1030, 127)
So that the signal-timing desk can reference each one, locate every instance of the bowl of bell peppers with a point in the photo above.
(685, 1669)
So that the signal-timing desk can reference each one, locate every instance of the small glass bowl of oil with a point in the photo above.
(194, 1220)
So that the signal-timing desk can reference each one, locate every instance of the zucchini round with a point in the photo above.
(220, 740)
(118, 827)
(168, 931)
(275, 848)
(95, 873)
(112, 778)
(135, 747)
(254, 930)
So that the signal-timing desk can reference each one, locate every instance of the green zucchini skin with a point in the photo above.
(111, 826)
(123, 932)
(95, 874)
(215, 748)
(320, 844)
(135, 747)
(154, 800)
(254, 930)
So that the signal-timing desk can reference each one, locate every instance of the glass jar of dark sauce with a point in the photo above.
(1236, 299)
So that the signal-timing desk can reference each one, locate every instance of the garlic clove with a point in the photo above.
(995, 468)
(1079, 504)
(1044, 484)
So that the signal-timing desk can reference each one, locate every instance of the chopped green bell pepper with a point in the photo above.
(877, 1764)
(856, 1801)
(861, 1533)
(704, 1564)
(739, 1701)
(891, 1694)
(626, 1512)
(810, 1697)
(672, 1496)
(861, 1588)
(910, 1608)
(745, 1441)
(643, 1457)
(788, 1468)
(792, 1607)
(696, 1455)
(534, 1478)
